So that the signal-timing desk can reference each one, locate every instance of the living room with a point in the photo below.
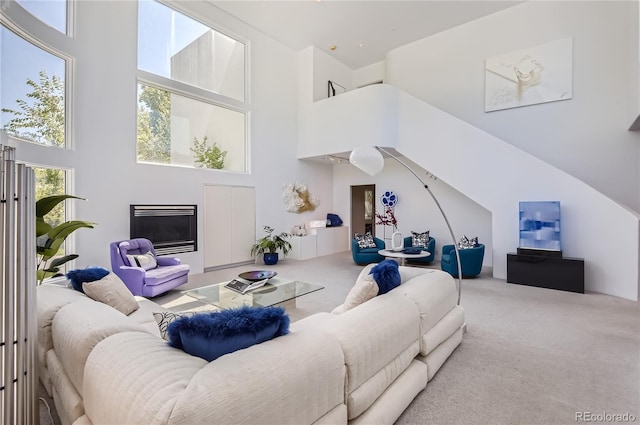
(585, 137)
(103, 127)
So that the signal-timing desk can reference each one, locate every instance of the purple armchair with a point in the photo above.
(168, 273)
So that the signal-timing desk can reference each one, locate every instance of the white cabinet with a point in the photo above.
(229, 225)
(302, 247)
(321, 241)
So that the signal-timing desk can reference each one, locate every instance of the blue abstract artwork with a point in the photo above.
(540, 225)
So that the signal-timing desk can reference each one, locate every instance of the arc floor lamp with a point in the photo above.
(370, 160)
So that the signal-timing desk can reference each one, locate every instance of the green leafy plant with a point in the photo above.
(271, 243)
(49, 239)
(206, 156)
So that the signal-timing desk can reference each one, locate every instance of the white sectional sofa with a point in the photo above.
(363, 366)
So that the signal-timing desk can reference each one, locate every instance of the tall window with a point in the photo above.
(192, 109)
(51, 12)
(33, 84)
(32, 91)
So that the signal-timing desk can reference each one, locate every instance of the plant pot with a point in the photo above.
(270, 259)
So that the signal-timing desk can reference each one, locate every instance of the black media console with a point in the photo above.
(546, 271)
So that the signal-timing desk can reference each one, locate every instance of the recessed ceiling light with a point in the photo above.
(333, 47)
(361, 45)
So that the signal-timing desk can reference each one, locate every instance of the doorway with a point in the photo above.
(363, 209)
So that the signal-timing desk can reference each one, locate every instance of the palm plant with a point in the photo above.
(49, 239)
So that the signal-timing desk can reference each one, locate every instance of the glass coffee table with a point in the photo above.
(275, 291)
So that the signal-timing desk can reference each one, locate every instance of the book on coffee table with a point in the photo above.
(243, 286)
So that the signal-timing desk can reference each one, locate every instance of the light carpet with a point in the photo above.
(530, 355)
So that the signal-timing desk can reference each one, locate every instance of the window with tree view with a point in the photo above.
(191, 92)
(32, 91)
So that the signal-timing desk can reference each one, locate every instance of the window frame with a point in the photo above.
(199, 94)
(30, 30)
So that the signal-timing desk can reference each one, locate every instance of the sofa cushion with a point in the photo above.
(386, 275)
(51, 298)
(89, 274)
(78, 327)
(165, 318)
(211, 335)
(364, 289)
(112, 291)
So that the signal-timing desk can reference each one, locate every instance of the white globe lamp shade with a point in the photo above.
(368, 159)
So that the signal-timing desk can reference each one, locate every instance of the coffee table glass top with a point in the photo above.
(276, 291)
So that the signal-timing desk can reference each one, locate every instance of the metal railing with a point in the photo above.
(18, 323)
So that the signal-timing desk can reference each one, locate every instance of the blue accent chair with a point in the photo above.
(431, 247)
(471, 259)
(364, 256)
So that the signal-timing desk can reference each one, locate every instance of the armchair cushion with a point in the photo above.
(419, 239)
(430, 247)
(365, 241)
(146, 261)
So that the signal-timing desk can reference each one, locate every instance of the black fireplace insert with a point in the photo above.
(171, 228)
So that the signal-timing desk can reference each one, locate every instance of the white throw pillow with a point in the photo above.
(111, 291)
(364, 289)
(165, 318)
(146, 261)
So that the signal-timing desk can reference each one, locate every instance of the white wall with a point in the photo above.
(371, 74)
(416, 210)
(585, 136)
(104, 134)
(327, 68)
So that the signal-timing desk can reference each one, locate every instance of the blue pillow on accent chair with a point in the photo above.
(90, 274)
(387, 275)
(211, 335)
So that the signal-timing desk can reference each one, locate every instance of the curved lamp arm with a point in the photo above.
(370, 160)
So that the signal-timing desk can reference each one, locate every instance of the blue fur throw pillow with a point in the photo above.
(89, 274)
(211, 335)
(387, 275)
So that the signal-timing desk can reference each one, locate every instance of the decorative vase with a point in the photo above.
(397, 242)
(270, 259)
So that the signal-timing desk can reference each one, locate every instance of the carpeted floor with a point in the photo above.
(530, 355)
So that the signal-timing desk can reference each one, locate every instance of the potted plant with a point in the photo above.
(49, 238)
(270, 244)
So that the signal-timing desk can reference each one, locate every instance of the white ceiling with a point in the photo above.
(379, 26)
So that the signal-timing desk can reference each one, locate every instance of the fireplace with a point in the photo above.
(171, 228)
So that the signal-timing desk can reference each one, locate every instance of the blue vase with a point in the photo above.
(270, 259)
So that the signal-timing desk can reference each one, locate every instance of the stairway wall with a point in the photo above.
(491, 172)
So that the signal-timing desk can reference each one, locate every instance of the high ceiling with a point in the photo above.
(362, 31)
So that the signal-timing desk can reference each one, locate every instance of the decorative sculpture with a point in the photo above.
(297, 198)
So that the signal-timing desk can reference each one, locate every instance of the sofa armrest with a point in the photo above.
(168, 261)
